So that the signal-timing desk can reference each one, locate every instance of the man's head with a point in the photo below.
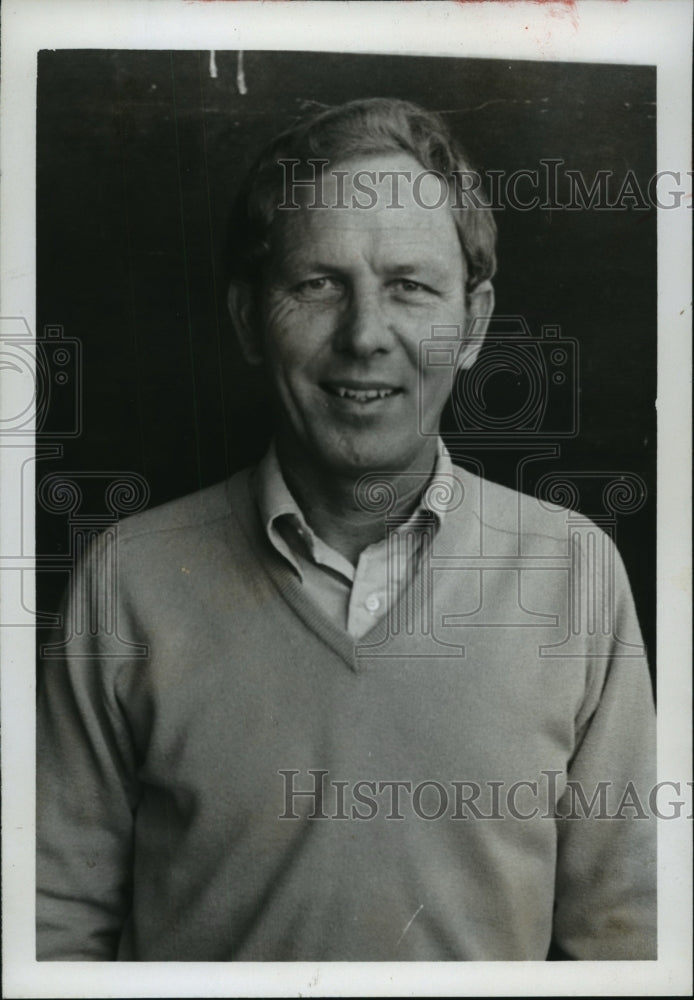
(336, 292)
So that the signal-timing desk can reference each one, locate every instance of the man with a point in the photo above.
(370, 723)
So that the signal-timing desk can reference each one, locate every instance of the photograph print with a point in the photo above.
(345, 507)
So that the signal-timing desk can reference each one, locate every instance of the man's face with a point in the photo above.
(348, 297)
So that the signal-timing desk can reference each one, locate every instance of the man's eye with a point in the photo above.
(409, 287)
(320, 289)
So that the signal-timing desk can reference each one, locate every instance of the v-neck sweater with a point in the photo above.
(226, 787)
(354, 596)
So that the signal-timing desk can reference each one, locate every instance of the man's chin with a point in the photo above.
(381, 458)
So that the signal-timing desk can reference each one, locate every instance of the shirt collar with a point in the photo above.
(276, 504)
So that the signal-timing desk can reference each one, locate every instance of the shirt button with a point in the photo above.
(372, 603)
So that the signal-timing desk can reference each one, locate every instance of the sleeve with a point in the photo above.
(606, 878)
(86, 778)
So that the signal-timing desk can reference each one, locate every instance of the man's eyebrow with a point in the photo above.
(296, 263)
(435, 269)
(405, 268)
(417, 268)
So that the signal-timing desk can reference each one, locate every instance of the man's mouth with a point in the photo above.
(360, 394)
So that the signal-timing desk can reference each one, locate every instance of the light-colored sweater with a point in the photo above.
(168, 824)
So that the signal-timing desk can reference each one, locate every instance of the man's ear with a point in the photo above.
(240, 304)
(480, 306)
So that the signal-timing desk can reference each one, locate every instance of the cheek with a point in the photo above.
(279, 318)
(436, 386)
(444, 321)
(294, 334)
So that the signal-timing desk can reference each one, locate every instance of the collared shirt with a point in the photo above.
(354, 597)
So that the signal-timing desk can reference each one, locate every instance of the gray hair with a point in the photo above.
(358, 128)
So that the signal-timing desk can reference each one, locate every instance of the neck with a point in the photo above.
(348, 511)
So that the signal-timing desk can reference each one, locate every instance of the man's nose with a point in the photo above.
(365, 327)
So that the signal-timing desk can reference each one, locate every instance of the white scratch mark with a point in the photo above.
(213, 65)
(409, 923)
(478, 107)
(240, 75)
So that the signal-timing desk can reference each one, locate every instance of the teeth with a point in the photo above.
(363, 395)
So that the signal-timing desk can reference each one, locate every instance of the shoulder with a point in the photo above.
(503, 510)
(193, 541)
(198, 513)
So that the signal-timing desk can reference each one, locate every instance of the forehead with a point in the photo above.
(383, 198)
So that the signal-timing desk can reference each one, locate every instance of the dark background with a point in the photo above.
(138, 156)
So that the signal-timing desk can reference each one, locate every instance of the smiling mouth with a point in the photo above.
(360, 395)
